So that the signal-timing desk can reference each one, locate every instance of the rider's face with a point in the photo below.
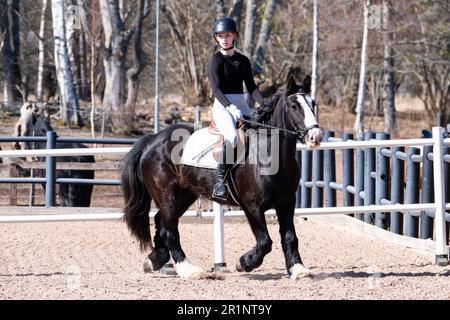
(225, 39)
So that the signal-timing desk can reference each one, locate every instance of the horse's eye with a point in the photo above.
(294, 106)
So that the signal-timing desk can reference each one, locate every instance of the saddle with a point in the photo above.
(203, 147)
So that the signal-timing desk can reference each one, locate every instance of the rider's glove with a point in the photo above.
(235, 112)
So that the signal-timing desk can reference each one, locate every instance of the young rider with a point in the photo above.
(227, 70)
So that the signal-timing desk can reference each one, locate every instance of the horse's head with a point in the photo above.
(29, 114)
(30, 124)
(300, 117)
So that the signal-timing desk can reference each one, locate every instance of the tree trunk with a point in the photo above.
(41, 62)
(390, 119)
(139, 61)
(236, 11)
(220, 8)
(116, 46)
(73, 31)
(258, 58)
(69, 99)
(9, 27)
(250, 17)
(359, 121)
(84, 82)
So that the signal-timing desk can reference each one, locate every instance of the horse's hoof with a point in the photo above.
(186, 270)
(239, 268)
(299, 271)
(148, 267)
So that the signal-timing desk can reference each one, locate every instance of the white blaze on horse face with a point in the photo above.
(310, 119)
(315, 135)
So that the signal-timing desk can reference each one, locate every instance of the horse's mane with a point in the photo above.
(265, 111)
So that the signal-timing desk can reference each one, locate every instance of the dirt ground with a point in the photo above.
(99, 260)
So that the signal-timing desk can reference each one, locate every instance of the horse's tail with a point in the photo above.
(137, 198)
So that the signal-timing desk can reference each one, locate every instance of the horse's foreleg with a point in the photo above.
(173, 209)
(254, 258)
(160, 253)
(183, 267)
(289, 241)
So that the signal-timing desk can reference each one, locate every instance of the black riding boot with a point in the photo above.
(220, 190)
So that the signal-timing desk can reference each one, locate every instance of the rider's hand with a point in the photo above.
(235, 112)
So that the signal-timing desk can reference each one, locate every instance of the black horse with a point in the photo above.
(69, 195)
(150, 173)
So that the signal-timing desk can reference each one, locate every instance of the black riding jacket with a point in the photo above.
(226, 74)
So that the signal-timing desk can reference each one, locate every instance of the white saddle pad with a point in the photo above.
(198, 151)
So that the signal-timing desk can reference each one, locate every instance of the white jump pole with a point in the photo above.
(219, 246)
(439, 197)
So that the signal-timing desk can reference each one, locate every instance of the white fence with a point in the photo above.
(439, 206)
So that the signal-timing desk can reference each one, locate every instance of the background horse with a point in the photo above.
(70, 195)
(150, 173)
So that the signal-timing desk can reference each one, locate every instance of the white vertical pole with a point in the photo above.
(439, 197)
(156, 114)
(315, 52)
(219, 247)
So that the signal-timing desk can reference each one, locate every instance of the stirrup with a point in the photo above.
(223, 196)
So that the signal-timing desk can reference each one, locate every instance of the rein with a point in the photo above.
(298, 133)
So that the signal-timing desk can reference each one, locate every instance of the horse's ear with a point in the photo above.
(291, 85)
(307, 83)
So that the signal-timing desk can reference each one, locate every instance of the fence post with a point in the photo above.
(50, 174)
(447, 190)
(397, 189)
(439, 197)
(426, 223)
(329, 172)
(359, 183)
(13, 186)
(412, 191)
(348, 171)
(317, 175)
(369, 182)
(219, 247)
(305, 176)
(381, 182)
(298, 194)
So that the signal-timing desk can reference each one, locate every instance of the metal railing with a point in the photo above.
(369, 197)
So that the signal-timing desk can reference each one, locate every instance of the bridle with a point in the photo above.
(298, 133)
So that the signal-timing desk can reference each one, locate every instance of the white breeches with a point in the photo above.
(223, 119)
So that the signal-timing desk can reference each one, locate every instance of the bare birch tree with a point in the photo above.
(359, 120)
(390, 117)
(250, 17)
(315, 53)
(41, 58)
(258, 57)
(68, 96)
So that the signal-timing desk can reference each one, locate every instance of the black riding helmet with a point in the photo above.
(225, 24)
